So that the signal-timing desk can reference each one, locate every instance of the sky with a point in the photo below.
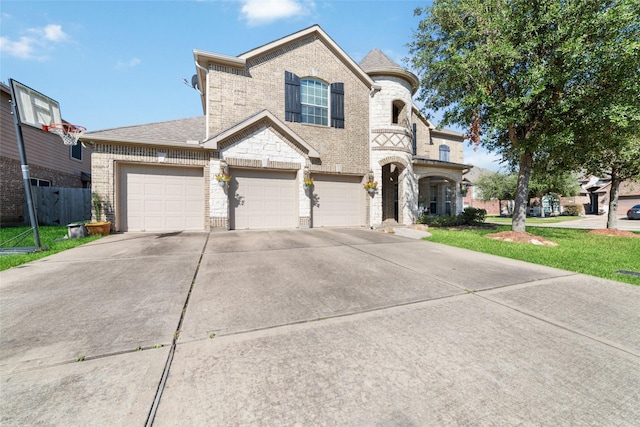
(121, 63)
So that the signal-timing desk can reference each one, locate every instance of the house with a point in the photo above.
(472, 197)
(294, 109)
(51, 163)
(594, 195)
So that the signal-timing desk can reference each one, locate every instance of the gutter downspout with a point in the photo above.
(206, 102)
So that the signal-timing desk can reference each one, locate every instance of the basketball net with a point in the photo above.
(68, 132)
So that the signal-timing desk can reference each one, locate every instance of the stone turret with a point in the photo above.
(391, 139)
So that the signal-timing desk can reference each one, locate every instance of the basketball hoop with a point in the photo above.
(68, 132)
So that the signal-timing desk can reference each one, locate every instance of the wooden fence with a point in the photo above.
(61, 206)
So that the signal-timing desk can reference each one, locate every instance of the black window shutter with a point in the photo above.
(292, 107)
(337, 105)
(415, 139)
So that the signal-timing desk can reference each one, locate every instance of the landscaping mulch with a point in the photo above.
(612, 232)
(521, 237)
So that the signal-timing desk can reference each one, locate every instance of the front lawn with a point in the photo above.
(48, 237)
(577, 250)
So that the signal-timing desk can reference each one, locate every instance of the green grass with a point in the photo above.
(48, 235)
(494, 219)
(577, 250)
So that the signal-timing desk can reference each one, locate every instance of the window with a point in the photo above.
(312, 101)
(314, 98)
(35, 182)
(397, 111)
(433, 199)
(76, 151)
(444, 153)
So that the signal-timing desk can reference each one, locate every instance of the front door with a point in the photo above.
(390, 192)
(594, 203)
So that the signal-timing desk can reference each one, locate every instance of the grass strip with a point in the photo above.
(577, 250)
(48, 237)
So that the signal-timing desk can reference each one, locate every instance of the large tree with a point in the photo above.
(607, 125)
(515, 71)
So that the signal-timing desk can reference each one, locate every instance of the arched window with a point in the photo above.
(314, 99)
(307, 101)
(397, 111)
(444, 153)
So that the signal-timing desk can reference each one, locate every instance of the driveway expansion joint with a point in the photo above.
(165, 373)
(558, 324)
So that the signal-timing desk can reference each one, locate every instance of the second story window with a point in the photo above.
(444, 153)
(397, 113)
(313, 101)
(76, 151)
(314, 97)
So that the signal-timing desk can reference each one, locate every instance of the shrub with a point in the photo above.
(470, 216)
(473, 216)
(572, 210)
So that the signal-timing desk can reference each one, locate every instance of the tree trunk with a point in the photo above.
(522, 191)
(612, 217)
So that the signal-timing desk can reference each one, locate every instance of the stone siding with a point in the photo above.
(262, 149)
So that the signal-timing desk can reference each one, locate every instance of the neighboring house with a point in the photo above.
(295, 108)
(594, 195)
(473, 196)
(51, 163)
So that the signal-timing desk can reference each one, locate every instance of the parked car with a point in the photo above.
(634, 212)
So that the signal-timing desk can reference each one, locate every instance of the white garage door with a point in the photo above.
(263, 199)
(157, 198)
(338, 201)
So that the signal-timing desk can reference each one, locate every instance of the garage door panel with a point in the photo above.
(172, 190)
(340, 201)
(263, 199)
(155, 198)
(153, 189)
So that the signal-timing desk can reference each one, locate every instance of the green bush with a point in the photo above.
(572, 210)
(470, 216)
(473, 216)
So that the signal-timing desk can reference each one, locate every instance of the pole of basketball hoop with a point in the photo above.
(28, 194)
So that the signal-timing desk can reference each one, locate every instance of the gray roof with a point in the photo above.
(173, 131)
(376, 60)
(475, 173)
(377, 63)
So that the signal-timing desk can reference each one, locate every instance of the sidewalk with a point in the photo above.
(595, 221)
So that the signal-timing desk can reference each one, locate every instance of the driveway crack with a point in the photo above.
(167, 367)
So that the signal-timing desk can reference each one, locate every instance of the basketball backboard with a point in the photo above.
(34, 108)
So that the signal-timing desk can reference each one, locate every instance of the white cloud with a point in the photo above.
(36, 45)
(54, 33)
(258, 12)
(133, 62)
(22, 48)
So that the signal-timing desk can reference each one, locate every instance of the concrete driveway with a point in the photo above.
(311, 327)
